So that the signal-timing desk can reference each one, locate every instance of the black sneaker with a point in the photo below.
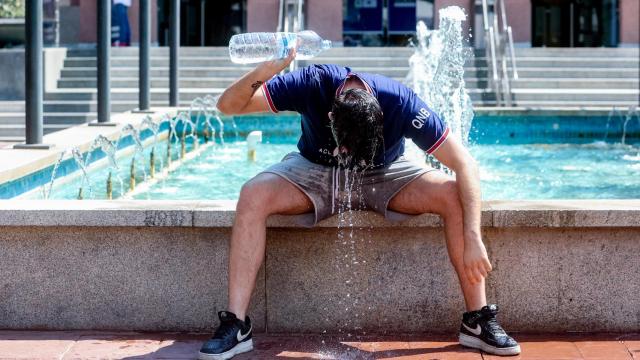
(233, 337)
(480, 330)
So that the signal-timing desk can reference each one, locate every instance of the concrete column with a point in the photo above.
(33, 73)
(629, 31)
(262, 15)
(325, 18)
(134, 18)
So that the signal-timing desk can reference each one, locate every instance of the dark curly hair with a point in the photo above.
(357, 127)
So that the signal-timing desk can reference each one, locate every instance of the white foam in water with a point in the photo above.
(631, 157)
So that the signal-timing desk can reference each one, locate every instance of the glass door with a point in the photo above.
(574, 23)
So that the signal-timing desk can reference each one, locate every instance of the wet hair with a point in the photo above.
(357, 127)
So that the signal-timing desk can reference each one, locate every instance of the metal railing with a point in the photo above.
(291, 19)
(499, 50)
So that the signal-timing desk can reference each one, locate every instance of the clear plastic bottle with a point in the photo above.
(261, 46)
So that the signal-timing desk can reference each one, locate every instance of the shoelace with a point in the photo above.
(495, 328)
(225, 330)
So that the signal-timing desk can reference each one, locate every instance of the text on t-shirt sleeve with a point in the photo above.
(422, 125)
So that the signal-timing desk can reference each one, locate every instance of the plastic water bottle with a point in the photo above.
(262, 46)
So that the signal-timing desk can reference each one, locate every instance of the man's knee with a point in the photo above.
(255, 197)
(450, 199)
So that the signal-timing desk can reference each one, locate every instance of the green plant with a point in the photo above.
(11, 8)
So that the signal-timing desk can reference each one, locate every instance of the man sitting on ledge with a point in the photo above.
(354, 121)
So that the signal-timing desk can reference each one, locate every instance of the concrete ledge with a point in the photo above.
(162, 265)
(220, 213)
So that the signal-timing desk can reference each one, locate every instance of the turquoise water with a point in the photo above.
(520, 158)
(549, 171)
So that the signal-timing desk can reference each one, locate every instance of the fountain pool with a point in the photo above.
(521, 157)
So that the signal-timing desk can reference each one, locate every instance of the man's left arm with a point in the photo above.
(456, 157)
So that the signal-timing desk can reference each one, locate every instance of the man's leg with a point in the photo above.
(264, 195)
(436, 192)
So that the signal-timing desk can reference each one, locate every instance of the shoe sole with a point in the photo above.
(474, 342)
(242, 347)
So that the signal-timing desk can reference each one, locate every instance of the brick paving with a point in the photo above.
(87, 345)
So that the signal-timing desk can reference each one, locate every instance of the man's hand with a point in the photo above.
(476, 261)
(245, 96)
(272, 67)
(456, 157)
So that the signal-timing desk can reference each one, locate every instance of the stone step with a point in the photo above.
(128, 94)
(224, 51)
(79, 116)
(81, 106)
(207, 72)
(576, 103)
(373, 51)
(159, 83)
(554, 83)
(220, 61)
(599, 52)
(582, 73)
(131, 83)
(12, 106)
(471, 82)
(616, 63)
(18, 130)
(202, 72)
(399, 71)
(162, 94)
(576, 94)
(7, 118)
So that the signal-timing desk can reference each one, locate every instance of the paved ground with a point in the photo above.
(101, 345)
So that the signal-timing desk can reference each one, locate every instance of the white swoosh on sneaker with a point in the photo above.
(241, 337)
(477, 331)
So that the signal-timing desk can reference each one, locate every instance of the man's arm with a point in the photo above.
(457, 158)
(245, 95)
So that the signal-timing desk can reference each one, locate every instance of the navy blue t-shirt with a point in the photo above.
(311, 90)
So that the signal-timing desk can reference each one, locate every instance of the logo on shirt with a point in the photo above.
(420, 119)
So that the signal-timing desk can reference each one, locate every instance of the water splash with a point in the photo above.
(436, 71)
(130, 130)
(46, 193)
(82, 165)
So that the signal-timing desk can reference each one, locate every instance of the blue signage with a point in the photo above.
(402, 16)
(363, 17)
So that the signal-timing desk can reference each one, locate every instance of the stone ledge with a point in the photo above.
(220, 213)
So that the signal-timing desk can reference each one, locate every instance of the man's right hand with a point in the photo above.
(244, 95)
(273, 67)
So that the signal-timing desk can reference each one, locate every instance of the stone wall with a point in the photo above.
(138, 265)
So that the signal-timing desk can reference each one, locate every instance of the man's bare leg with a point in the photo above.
(435, 192)
(264, 195)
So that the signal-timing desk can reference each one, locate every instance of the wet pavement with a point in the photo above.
(130, 345)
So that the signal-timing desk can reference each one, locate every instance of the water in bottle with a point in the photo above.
(261, 46)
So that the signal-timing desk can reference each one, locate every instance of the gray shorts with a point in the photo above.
(333, 190)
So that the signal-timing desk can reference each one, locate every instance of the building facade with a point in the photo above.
(537, 23)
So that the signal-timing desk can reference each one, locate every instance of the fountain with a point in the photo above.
(633, 111)
(109, 149)
(82, 164)
(154, 127)
(436, 73)
(253, 139)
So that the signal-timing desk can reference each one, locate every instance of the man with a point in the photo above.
(120, 30)
(355, 121)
